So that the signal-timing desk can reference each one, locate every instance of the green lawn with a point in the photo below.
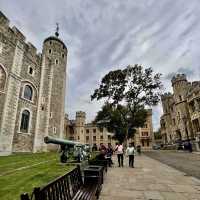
(20, 173)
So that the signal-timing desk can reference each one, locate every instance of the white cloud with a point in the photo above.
(103, 35)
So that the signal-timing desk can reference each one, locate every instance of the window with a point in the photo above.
(145, 134)
(51, 115)
(25, 121)
(101, 129)
(145, 125)
(50, 51)
(101, 137)
(180, 98)
(94, 138)
(63, 55)
(2, 78)
(87, 138)
(30, 71)
(54, 130)
(87, 131)
(94, 130)
(142, 142)
(78, 138)
(148, 143)
(42, 107)
(56, 61)
(179, 116)
(28, 92)
(50, 42)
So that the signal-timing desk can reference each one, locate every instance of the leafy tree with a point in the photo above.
(157, 134)
(127, 92)
(116, 119)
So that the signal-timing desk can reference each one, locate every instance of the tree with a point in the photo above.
(116, 120)
(157, 134)
(127, 92)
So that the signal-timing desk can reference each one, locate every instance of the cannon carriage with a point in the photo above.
(79, 151)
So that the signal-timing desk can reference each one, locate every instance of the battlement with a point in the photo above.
(4, 21)
(13, 34)
(18, 34)
(178, 77)
(166, 96)
(80, 114)
(195, 83)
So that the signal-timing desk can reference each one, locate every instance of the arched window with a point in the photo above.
(25, 118)
(28, 92)
(2, 78)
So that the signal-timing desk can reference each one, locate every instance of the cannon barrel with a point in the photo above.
(59, 141)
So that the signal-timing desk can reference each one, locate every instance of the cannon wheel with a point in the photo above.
(63, 158)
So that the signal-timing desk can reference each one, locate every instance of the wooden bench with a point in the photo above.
(68, 187)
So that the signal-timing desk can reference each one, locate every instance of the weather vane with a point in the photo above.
(57, 30)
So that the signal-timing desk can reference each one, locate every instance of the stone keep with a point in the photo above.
(21, 67)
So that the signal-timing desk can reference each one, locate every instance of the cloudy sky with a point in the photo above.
(102, 35)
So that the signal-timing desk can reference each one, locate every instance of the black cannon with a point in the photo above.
(79, 150)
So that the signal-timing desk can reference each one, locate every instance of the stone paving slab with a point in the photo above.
(149, 180)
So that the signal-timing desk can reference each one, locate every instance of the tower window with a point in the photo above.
(50, 42)
(50, 51)
(51, 115)
(28, 92)
(94, 130)
(25, 121)
(180, 98)
(30, 71)
(63, 55)
(54, 129)
(56, 61)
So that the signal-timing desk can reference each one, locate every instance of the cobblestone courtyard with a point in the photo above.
(149, 180)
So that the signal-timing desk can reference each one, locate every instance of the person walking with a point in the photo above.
(109, 153)
(120, 154)
(130, 152)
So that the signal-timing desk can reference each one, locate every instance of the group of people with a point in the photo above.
(106, 153)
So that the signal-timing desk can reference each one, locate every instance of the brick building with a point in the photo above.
(89, 133)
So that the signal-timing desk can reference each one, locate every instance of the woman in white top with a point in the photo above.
(130, 152)
(120, 154)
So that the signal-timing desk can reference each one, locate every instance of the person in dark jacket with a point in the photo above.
(109, 153)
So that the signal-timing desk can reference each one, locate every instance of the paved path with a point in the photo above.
(183, 161)
(149, 180)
